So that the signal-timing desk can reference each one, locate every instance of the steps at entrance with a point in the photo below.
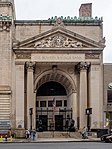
(55, 134)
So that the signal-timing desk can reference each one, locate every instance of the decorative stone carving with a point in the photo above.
(59, 22)
(58, 41)
(5, 25)
(70, 70)
(82, 66)
(23, 56)
(30, 65)
(92, 56)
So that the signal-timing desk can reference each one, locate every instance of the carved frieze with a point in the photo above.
(92, 56)
(58, 41)
(23, 56)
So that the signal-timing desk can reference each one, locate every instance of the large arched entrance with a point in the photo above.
(54, 102)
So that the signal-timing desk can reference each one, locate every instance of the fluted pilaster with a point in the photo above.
(82, 68)
(30, 66)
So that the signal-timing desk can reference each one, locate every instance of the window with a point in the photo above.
(50, 89)
(37, 104)
(109, 95)
(65, 103)
(59, 103)
(50, 103)
(42, 103)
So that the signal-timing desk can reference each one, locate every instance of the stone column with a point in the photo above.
(20, 96)
(82, 68)
(74, 107)
(30, 93)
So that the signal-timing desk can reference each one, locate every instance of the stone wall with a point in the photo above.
(107, 79)
(25, 31)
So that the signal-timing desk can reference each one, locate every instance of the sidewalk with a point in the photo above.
(50, 140)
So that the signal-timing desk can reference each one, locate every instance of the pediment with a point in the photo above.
(57, 38)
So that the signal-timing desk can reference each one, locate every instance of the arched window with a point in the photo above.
(50, 89)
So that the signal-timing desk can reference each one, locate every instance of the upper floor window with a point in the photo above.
(42, 103)
(59, 103)
(109, 96)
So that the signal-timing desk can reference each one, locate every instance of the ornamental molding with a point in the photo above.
(92, 56)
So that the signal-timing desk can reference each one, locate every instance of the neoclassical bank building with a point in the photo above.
(52, 70)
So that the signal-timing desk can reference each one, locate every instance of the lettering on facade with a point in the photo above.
(92, 56)
(95, 68)
(58, 41)
(57, 57)
(23, 56)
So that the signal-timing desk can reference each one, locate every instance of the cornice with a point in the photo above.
(59, 50)
(66, 20)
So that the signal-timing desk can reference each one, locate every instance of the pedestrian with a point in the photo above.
(27, 134)
(33, 134)
(84, 131)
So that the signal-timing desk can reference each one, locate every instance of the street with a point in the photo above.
(67, 145)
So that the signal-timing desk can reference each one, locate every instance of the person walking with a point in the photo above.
(84, 133)
(27, 134)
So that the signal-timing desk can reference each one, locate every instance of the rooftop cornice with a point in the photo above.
(67, 20)
(5, 18)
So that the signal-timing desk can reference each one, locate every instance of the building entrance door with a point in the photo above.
(58, 122)
(44, 120)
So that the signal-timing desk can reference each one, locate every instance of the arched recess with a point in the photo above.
(59, 76)
(68, 84)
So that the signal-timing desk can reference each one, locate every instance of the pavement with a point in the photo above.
(49, 140)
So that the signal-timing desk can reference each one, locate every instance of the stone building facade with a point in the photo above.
(41, 60)
(107, 95)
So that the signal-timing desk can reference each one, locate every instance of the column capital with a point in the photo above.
(82, 66)
(30, 65)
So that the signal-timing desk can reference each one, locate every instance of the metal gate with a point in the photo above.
(48, 119)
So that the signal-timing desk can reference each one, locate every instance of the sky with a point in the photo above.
(44, 9)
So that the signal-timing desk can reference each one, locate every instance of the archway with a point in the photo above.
(50, 87)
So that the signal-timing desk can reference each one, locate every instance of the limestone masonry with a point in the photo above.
(60, 58)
